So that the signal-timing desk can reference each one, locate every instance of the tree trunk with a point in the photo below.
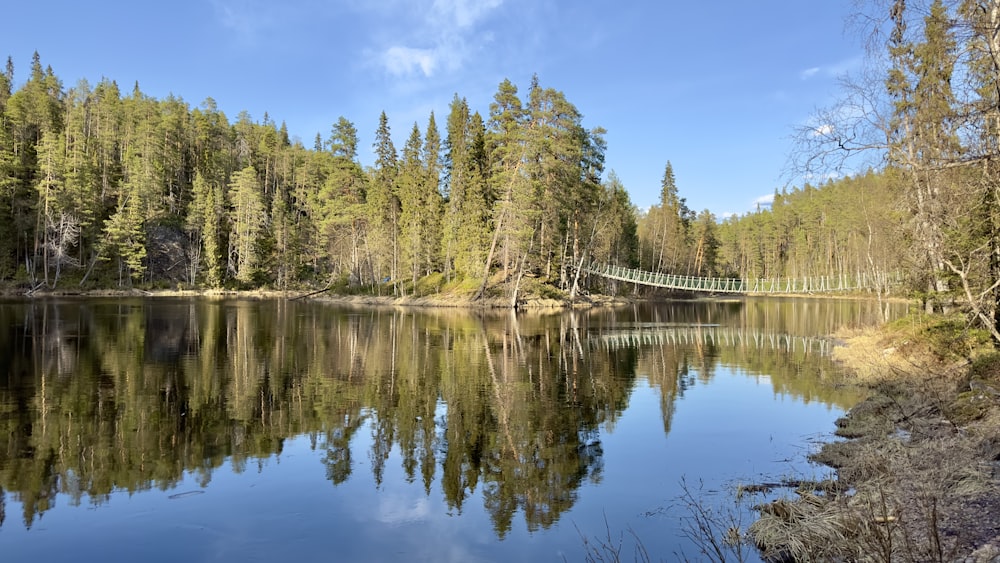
(489, 259)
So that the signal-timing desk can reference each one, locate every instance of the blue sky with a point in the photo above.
(716, 88)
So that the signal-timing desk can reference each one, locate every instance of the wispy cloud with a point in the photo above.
(764, 200)
(244, 17)
(464, 13)
(250, 19)
(442, 40)
(832, 70)
(405, 39)
(809, 73)
(406, 60)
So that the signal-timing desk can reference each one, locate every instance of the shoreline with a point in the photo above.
(917, 464)
(442, 300)
(435, 300)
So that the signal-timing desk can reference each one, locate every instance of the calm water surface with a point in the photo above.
(207, 430)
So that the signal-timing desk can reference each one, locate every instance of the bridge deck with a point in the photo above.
(825, 284)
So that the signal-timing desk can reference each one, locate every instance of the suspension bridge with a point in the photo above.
(823, 284)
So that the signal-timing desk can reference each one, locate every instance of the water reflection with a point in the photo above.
(99, 396)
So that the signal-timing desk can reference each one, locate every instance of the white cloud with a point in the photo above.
(823, 130)
(832, 70)
(465, 13)
(764, 200)
(402, 61)
(809, 73)
(449, 32)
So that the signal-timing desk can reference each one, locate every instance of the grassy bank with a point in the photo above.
(917, 469)
(429, 291)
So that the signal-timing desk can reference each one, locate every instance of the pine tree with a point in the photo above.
(616, 240)
(203, 223)
(53, 206)
(456, 176)
(344, 139)
(248, 219)
(338, 211)
(466, 227)
(383, 204)
(124, 231)
(706, 245)
(32, 111)
(82, 180)
(923, 125)
(514, 217)
(673, 219)
(433, 200)
(8, 180)
(410, 187)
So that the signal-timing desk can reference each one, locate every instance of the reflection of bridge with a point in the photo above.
(823, 284)
(716, 335)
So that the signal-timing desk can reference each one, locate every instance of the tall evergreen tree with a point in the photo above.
(248, 219)
(466, 219)
(339, 213)
(204, 223)
(56, 225)
(433, 200)
(124, 232)
(383, 205)
(344, 139)
(413, 205)
(923, 125)
(514, 219)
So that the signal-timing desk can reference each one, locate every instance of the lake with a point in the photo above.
(174, 429)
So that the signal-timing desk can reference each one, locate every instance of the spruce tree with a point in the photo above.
(383, 205)
(248, 219)
(409, 185)
(433, 200)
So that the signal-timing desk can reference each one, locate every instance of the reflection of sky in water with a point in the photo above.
(283, 508)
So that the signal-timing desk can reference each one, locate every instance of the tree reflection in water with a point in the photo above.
(128, 395)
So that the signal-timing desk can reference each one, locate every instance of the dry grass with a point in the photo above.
(866, 355)
(907, 506)
(919, 460)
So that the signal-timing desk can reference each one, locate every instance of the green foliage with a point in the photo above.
(986, 367)
(950, 337)
(85, 171)
(461, 286)
(248, 219)
(847, 227)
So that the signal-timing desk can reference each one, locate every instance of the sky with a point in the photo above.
(718, 89)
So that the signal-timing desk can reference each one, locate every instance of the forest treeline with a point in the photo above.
(131, 189)
(841, 227)
(106, 189)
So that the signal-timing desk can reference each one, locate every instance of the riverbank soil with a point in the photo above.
(918, 468)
